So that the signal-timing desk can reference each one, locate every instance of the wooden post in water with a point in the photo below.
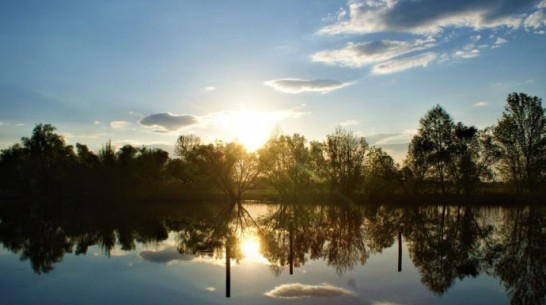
(291, 254)
(399, 251)
(228, 272)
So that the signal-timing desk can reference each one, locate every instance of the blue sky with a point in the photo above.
(144, 72)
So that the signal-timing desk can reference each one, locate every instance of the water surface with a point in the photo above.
(255, 253)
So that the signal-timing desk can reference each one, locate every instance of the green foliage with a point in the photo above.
(344, 154)
(286, 162)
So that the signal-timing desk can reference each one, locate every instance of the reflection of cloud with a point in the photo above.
(165, 256)
(294, 85)
(359, 54)
(385, 303)
(168, 121)
(119, 124)
(398, 65)
(297, 290)
(427, 16)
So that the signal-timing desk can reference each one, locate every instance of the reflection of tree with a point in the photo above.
(520, 256)
(285, 235)
(445, 243)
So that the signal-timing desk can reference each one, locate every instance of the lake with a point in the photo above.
(264, 253)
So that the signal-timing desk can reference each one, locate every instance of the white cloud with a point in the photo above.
(210, 289)
(398, 65)
(297, 290)
(500, 41)
(481, 104)
(210, 88)
(541, 4)
(119, 124)
(349, 123)
(385, 303)
(359, 54)
(97, 122)
(167, 122)
(535, 21)
(467, 53)
(294, 85)
(426, 16)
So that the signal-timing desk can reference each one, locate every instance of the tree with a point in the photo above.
(285, 162)
(521, 133)
(429, 152)
(228, 165)
(48, 157)
(382, 174)
(473, 154)
(345, 160)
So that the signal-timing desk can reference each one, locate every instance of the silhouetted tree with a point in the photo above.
(429, 153)
(521, 133)
(382, 175)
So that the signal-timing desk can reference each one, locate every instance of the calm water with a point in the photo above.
(122, 253)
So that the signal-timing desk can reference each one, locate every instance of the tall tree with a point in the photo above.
(521, 133)
(345, 155)
(429, 153)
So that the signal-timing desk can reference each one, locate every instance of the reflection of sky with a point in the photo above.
(149, 275)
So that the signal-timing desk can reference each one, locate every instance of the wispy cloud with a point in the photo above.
(167, 122)
(466, 54)
(119, 124)
(97, 122)
(398, 65)
(481, 104)
(297, 290)
(535, 22)
(427, 16)
(210, 88)
(500, 41)
(349, 123)
(356, 55)
(294, 85)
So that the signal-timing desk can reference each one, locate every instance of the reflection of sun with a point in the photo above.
(250, 246)
(251, 128)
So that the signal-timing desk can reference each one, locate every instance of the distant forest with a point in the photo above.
(443, 158)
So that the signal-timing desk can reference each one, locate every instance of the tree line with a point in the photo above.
(444, 157)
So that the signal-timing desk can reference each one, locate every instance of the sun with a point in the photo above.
(251, 128)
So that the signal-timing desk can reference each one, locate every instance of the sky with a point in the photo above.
(144, 72)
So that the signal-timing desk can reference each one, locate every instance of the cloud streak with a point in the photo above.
(356, 55)
(166, 122)
(295, 85)
(297, 290)
(428, 16)
(398, 65)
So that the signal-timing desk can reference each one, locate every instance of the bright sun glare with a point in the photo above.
(250, 128)
(250, 246)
